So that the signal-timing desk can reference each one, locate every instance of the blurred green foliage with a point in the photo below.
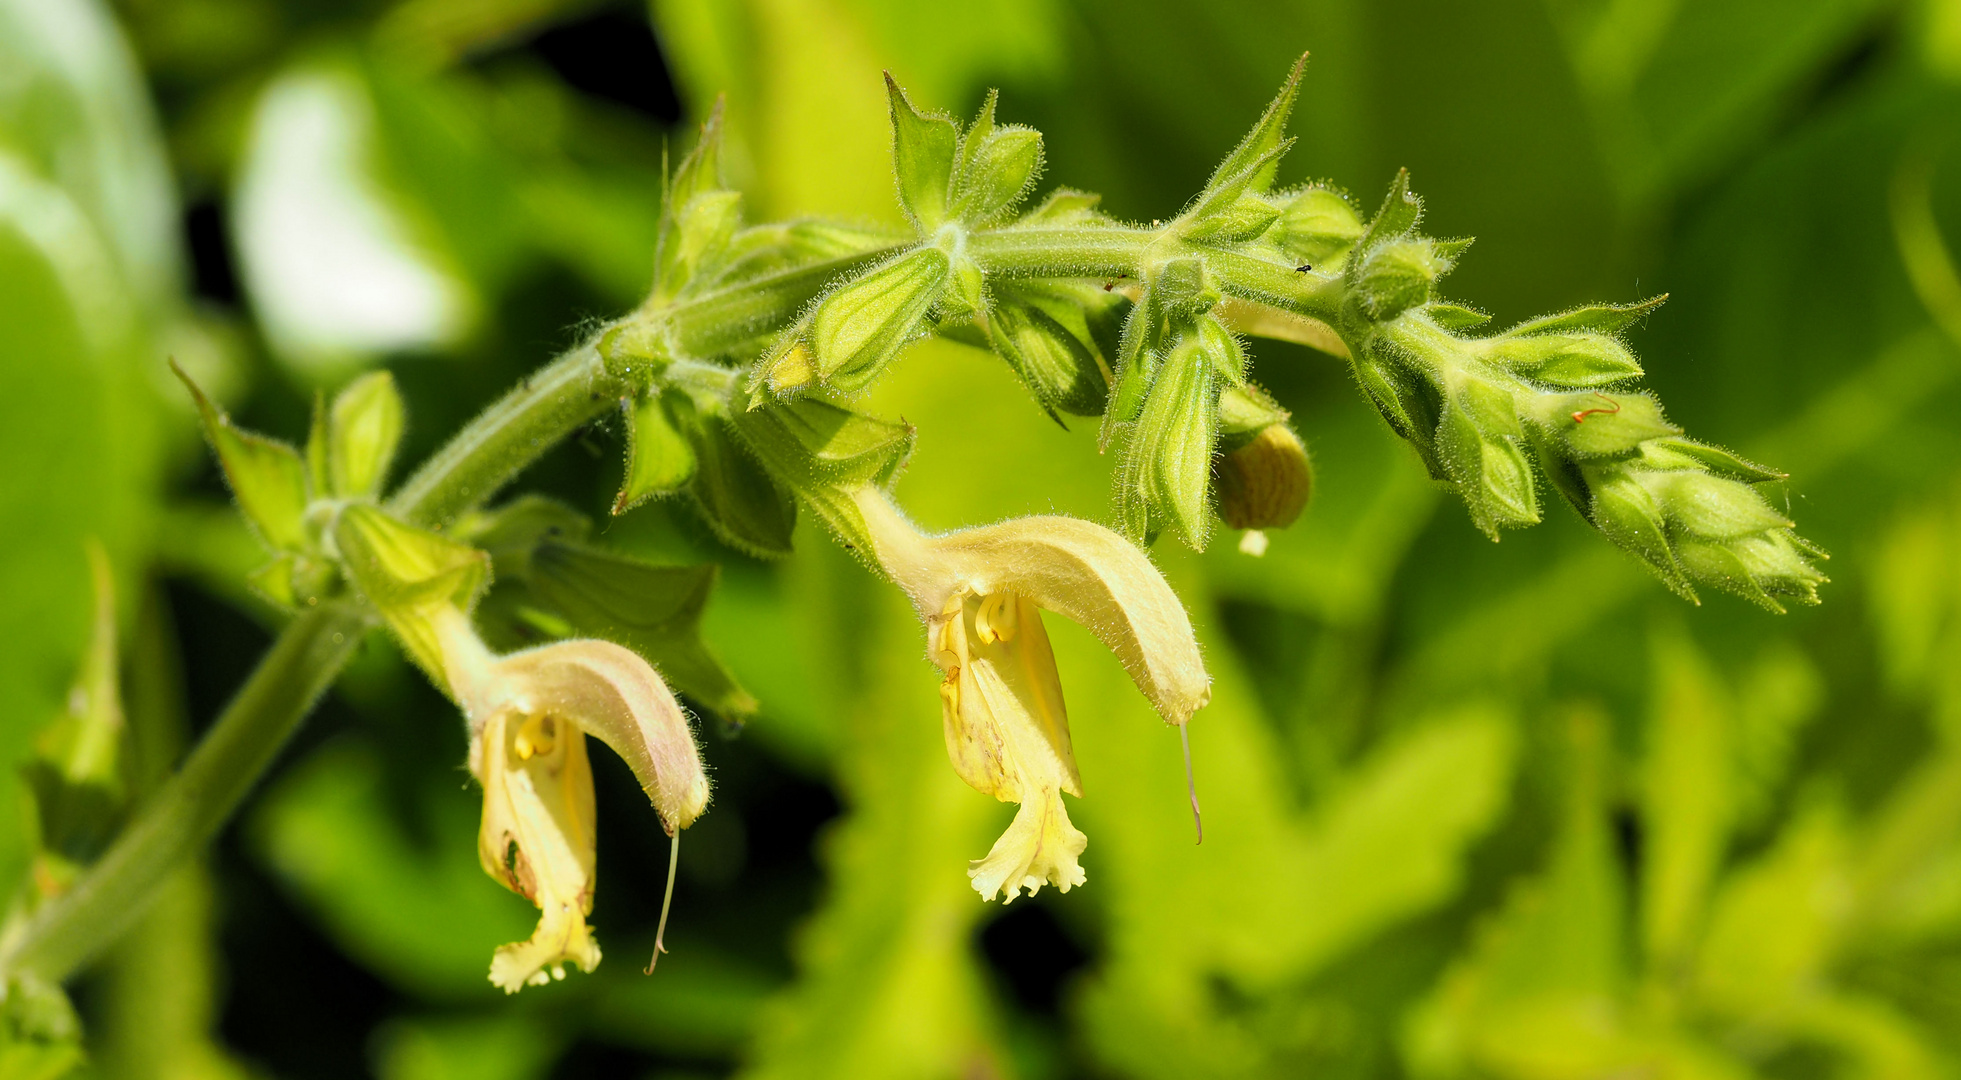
(1472, 810)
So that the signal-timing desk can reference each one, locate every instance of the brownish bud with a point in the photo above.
(1265, 483)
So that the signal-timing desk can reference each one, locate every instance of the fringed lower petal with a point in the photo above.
(1039, 849)
(562, 937)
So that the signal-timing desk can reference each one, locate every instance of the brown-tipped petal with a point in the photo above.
(615, 696)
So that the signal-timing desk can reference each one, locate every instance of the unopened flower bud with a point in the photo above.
(861, 327)
(1318, 227)
(1397, 276)
(1184, 289)
(1577, 360)
(1264, 484)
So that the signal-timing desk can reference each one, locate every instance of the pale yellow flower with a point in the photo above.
(981, 593)
(529, 713)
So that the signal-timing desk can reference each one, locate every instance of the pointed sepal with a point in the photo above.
(267, 477)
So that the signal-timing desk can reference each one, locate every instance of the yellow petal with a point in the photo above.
(1040, 848)
(608, 691)
(1070, 566)
(537, 838)
(1006, 728)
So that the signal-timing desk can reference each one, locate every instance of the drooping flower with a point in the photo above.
(981, 592)
(529, 713)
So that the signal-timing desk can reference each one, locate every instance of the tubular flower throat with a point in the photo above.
(529, 713)
(981, 593)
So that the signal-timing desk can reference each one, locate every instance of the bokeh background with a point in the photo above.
(1473, 810)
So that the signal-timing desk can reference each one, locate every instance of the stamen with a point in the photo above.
(990, 607)
(537, 735)
(1613, 409)
(1191, 786)
(1007, 616)
(666, 900)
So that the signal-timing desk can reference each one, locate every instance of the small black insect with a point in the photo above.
(1304, 268)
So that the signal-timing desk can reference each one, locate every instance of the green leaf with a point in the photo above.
(362, 434)
(1712, 507)
(508, 1046)
(660, 459)
(40, 1035)
(1396, 275)
(292, 580)
(736, 496)
(1551, 963)
(266, 476)
(1668, 452)
(1065, 206)
(923, 148)
(1455, 316)
(509, 532)
(1688, 803)
(1317, 226)
(861, 326)
(78, 773)
(1774, 925)
(1245, 218)
(1626, 513)
(698, 217)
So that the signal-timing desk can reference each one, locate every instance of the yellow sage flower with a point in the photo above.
(981, 593)
(529, 713)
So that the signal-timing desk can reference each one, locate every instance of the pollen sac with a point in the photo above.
(1397, 275)
(1044, 332)
(862, 326)
(1167, 465)
(1318, 227)
(1579, 360)
(363, 430)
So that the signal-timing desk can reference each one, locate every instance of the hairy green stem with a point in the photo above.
(191, 806)
(509, 435)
